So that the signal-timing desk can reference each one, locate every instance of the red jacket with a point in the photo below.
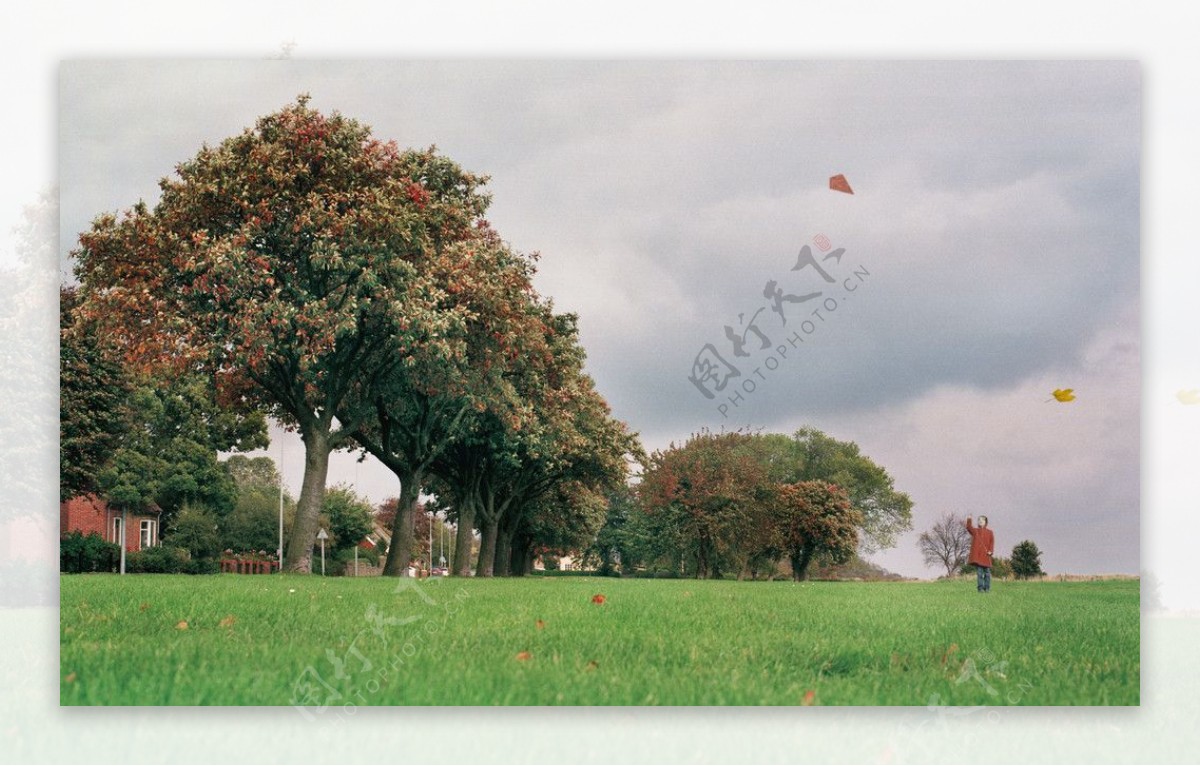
(982, 545)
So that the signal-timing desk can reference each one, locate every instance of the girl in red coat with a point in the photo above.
(982, 545)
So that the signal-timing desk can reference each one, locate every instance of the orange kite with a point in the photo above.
(839, 183)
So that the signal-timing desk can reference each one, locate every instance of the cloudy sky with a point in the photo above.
(992, 243)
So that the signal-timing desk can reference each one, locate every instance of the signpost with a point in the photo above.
(322, 536)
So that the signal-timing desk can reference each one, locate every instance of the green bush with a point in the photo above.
(254, 523)
(1027, 560)
(161, 559)
(202, 567)
(78, 553)
(195, 530)
(657, 574)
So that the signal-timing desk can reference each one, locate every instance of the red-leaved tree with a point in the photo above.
(296, 264)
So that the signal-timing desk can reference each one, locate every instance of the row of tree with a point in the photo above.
(354, 292)
(742, 503)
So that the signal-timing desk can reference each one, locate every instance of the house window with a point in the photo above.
(116, 530)
(148, 537)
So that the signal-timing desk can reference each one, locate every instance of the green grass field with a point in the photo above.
(282, 640)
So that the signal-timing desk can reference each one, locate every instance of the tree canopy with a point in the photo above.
(297, 263)
(738, 502)
(1026, 560)
(354, 291)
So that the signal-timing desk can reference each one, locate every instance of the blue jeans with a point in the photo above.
(983, 578)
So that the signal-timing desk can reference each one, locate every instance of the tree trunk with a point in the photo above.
(504, 545)
(464, 537)
(704, 566)
(489, 530)
(312, 496)
(503, 560)
(521, 562)
(403, 534)
(800, 564)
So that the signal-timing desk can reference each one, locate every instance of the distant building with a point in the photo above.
(88, 513)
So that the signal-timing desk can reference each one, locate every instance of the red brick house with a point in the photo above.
(88, 513)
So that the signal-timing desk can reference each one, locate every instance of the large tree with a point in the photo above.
(292, 261)
(946, 544)
(415, 412)
(714, 493)
(811, 518)
(812, 455)
(556, 429)
(613, 544)
(94, 389)
(564, 521)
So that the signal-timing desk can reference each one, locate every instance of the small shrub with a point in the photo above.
(202, 567)
(92, 553)
(1026, 560)
(161, 559)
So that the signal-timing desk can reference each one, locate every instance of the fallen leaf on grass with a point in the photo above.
(809, 697)
(522, 656)
(227, 621)
(70, 679)
(946, 657)
(144, 606)
(598, 598)
(540, 624)
(181, 625)
(592, 665)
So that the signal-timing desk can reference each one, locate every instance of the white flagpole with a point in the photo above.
(281, 504)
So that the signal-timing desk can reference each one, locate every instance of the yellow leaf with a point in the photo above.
(1064, 394)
